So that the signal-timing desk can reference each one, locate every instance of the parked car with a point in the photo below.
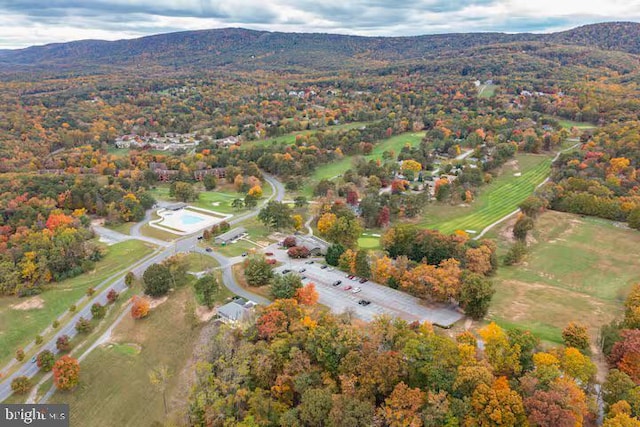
(364, 302)
(302, 270)
(268, 253)
(356, 290)
(337, 282)
(200, 237)
(33, 359)
(310, 261)
(209, 249)
(303, 277)
(347, 288)
(285, 271)
(363, 280)
(244, 254)
(323, 266)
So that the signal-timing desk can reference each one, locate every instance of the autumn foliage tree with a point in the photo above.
(66, 373)
(307, 295)
(497, 405)
(402, 407)
(140, 307)
(576, 335)
(625, 354)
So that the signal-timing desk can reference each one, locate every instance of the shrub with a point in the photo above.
(98, 310)
(112, 296)
(39, 339)
(19, 355)
(289, 242)
(21, 385)
(298, 252)
(45, 360)
(83, 326)
(516, 253)
(55, 324)
(63, 343)
(72, 308)
(129, 279)
(90, 292)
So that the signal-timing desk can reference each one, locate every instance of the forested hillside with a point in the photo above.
(247, 49)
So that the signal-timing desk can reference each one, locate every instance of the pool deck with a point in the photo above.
(173, 221)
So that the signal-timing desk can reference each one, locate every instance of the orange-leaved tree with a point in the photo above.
(140, 307)
(66, 373)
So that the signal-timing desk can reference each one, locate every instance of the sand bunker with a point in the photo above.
(32, 303)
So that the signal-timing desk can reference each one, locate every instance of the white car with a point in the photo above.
(356, 290)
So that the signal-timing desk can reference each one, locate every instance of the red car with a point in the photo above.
(347, 288)
(268, 253)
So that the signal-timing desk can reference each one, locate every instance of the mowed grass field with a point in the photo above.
(19, 327)
(115, 389)
(497, 199)
(487, 91)
(219, 201)
(334, 169)
(578, 269)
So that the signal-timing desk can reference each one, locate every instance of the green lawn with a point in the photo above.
(200, 262)
(219, 201)
(369, 242)
(497, 199)
(114, 384)
(578, 269)
(334, 169)
(124, 228)
(21, 326)
(257, 233)
(487, 91)
(568, 124)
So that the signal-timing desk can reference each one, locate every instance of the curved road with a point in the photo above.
(167, 249)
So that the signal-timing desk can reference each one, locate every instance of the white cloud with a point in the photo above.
(28, 22)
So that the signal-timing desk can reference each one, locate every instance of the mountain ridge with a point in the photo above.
(242, 48)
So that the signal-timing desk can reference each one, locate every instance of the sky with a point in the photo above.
(34, 22)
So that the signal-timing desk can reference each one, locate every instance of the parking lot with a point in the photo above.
(384, 300)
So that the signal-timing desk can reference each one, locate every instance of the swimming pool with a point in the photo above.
(187, 219)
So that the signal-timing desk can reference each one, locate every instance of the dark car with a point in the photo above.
(302, 270)
(244, 254)
(323, 266)
(309, 262)
(364, 302)
(363, 280)
(286, 271)
(200, 237)
(209, 249)
(337, 283)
